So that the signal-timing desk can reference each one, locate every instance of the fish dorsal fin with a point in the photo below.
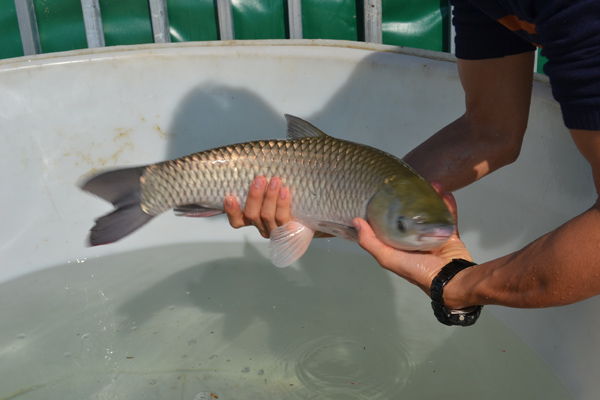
(297, 128)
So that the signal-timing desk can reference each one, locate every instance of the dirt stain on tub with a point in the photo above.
(114, 158)
(84, 158)
(123, 140)
(122, 134)
(163, 135)
(123, 144)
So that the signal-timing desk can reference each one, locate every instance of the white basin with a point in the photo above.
(136, 317)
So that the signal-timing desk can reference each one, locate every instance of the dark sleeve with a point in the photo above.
(479, 36)
(570, 31)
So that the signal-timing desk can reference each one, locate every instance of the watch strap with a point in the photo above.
(464, 317)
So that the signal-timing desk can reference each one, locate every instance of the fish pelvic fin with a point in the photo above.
(339, 230)
(196, 211)
(297, 128)
(123, 189)
(289, 242)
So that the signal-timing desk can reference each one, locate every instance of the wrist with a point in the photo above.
(443, 311)
(455, 295)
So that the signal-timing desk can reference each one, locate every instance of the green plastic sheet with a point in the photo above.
(415, 23)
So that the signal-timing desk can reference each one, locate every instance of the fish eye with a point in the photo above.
(401, 224)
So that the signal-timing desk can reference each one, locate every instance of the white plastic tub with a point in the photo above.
(185, 307)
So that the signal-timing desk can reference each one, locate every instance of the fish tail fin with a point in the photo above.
(118, 224)
(123, 189)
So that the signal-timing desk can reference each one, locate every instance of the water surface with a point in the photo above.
(196, 321)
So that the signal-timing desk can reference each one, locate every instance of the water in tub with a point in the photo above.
(194, 321)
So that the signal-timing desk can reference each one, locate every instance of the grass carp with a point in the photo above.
(331, 182)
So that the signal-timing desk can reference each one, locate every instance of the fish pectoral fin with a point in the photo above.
(339, 230)
(196, 211)
(297, 128)
(289, 242)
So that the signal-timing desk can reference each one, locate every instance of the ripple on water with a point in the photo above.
(342, 366)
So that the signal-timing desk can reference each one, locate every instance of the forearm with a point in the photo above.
(560, 268)
(489, 135)
(463, 152)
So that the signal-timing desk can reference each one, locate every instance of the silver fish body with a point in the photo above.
(331, 182)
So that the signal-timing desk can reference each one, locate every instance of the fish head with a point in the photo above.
(408, 214)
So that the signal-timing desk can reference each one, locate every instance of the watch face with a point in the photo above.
(463, 311)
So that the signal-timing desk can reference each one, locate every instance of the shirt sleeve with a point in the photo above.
(479, 36)
(571, 40)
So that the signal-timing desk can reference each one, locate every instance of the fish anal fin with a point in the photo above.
(289, 242)
(297, 128)
(339, 230)
(196, 211)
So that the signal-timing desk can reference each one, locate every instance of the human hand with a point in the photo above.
(266, 207)
(419, 268)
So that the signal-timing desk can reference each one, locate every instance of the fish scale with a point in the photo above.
(310, 168)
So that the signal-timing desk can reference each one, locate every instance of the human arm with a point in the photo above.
(489, 134)
(561, 267)
(486, 137)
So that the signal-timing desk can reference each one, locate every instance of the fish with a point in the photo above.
(331, 181)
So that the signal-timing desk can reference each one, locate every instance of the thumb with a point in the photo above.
(450, 202)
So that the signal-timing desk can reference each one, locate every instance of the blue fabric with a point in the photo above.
(568, 31)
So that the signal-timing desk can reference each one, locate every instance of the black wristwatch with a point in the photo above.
(464, 317)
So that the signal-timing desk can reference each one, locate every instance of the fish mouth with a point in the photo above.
(436, 235)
